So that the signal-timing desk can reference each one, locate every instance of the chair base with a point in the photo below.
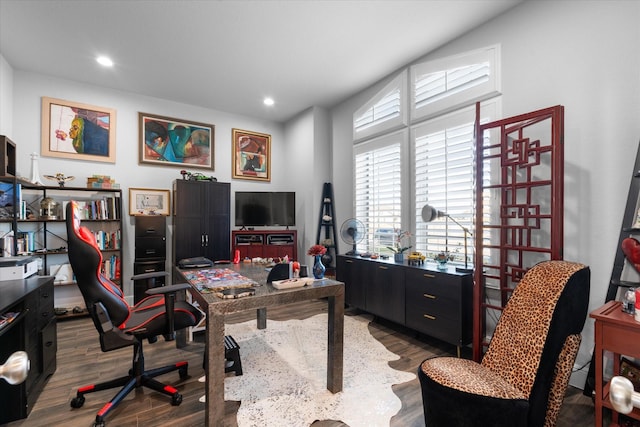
(136, 378)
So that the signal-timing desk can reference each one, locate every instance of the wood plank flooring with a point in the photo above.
(80, 362)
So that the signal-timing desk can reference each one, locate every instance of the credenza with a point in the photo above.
(421, 297)
(32, 329)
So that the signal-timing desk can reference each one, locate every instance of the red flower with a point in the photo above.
(316, 250)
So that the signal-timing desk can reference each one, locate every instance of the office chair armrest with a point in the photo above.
(169, 304)
(168, 289)
(152, 275)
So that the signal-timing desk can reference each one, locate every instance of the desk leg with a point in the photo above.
(335, 347)
(598, 372)
(261, 316)
(214, 411)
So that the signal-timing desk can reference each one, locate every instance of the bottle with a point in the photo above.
(629, 301)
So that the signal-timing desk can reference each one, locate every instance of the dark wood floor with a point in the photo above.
(80, 362)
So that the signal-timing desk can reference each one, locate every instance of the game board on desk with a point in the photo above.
(217, 279)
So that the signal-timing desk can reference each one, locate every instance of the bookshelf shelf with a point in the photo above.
(28, 229)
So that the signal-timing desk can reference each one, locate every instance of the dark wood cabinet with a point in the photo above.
(385, 292)
(265, 243)
(201, 220)
(351, 272)
(436, 303)
(150, 252)
(33, 331)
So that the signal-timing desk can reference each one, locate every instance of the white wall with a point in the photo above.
(308, 158)
(6, 98)
(580, 54)
(286, 175)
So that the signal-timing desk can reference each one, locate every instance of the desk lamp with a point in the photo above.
(16, 368)
(622, 396)
(429, 213)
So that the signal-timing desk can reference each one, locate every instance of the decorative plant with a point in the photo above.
(398, 247)
(443, 257)
(317, 250)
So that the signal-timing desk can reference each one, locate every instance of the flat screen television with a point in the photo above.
(265, 208)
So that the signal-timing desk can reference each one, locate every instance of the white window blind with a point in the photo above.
(383, 112)
(435, 86)
(444, 178)
(451, 83)
(378, 202)
(386, 109)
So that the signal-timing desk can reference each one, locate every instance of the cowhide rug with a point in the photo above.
(285, 369)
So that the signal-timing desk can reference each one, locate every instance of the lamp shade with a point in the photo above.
(622, 396)
(429, 213)
(16, 368)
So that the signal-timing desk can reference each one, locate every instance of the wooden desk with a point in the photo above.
(619, 333)
(266, 296)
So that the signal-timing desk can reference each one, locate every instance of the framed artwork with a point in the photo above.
(251, 155)
(78, 131)
(147, 201)
(173, 142)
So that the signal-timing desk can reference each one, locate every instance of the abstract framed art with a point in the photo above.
(78, 131)
(166, 141)
(147, 201)
(251, 155)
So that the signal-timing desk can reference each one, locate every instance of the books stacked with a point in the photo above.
(111, 267)
(101, 181)
(100, 209)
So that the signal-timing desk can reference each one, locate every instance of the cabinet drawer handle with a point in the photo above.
(429, 276)
(429, 296)
(428, 316)
(348, 261)
(48, 343)
(382, 267)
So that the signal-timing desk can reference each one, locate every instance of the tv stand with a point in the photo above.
(265, 243)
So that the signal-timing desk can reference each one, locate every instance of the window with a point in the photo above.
(451, 83)
(444, 178)
(378, 186)
(391, 190)
(384, 112)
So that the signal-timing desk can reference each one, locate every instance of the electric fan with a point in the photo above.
(352, 232)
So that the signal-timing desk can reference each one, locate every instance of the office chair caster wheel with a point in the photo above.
(183, 372)
(77, 402)
(176, 399)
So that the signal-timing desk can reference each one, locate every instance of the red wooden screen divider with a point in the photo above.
(519, 207)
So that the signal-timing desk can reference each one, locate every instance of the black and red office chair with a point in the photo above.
(120, 325)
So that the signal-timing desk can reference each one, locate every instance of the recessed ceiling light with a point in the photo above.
(105, 61)
(269, 101)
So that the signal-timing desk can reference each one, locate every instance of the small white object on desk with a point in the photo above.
(292, 283)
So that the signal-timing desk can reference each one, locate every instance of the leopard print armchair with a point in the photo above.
(523, 376)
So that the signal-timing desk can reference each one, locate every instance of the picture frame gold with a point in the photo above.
(166, 141)
(149, 201)
(251, 155)
(77, 131)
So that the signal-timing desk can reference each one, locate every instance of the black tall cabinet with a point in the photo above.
(150, 253)
(201, 220)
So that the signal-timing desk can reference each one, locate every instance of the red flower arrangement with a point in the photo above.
(317, 250)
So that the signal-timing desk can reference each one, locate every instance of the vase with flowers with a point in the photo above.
(443, 259)
(316, 251)
(399, 247)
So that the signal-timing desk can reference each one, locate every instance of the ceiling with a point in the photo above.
(228, 55)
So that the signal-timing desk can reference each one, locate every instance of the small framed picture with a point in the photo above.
(146, 201)
(251, 155)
